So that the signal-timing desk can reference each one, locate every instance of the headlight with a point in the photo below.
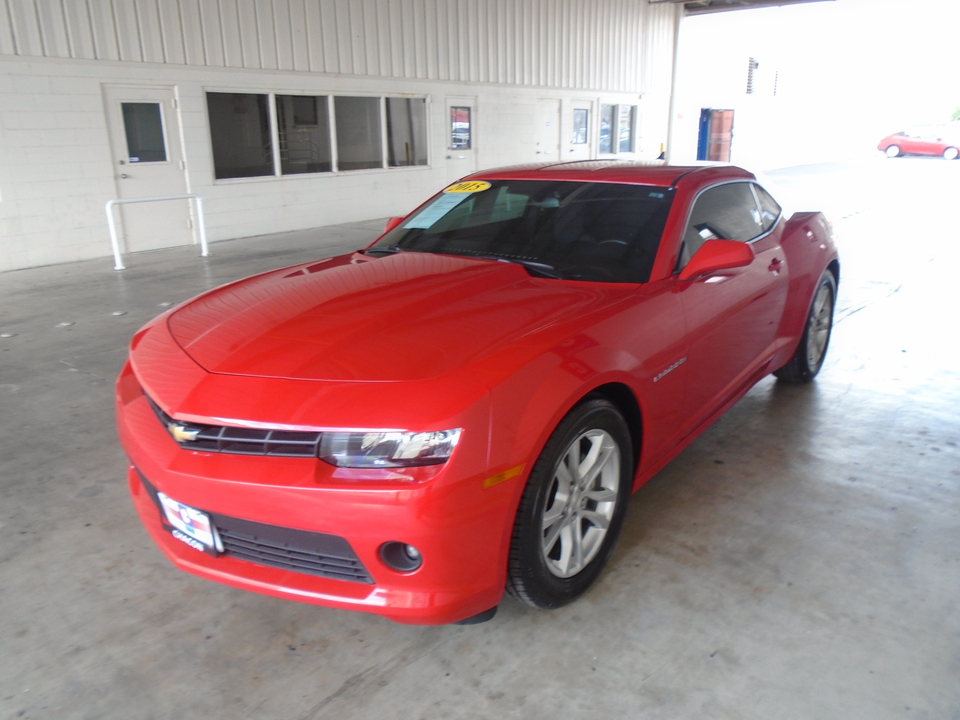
(387, 449)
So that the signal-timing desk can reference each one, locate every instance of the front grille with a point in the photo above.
(301, 551)
(313, 553)
(243, 441)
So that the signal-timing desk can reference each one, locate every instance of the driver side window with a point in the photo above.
(723, 212)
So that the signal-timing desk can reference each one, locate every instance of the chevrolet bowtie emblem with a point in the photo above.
(181, 433)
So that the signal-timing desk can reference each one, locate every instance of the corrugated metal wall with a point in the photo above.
(612, 45)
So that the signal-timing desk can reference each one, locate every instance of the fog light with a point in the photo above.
(400, 556)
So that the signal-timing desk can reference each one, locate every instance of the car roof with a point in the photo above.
(614, 171)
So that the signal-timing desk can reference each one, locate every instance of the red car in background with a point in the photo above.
(934, 140)
(465, 406)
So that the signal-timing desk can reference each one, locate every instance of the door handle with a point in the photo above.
(775, 265)
(124, 176)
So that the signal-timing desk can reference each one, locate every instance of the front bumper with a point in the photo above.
(461, 529)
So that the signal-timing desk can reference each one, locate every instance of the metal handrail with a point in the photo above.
(111, 222)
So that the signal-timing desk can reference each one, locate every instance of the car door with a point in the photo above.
(731, 316)
(913, 143)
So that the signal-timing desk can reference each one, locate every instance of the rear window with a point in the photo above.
(600, 232)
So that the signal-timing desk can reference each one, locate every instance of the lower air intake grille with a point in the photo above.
(301, 551)
(313, 553)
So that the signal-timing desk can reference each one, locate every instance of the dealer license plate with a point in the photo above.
(189, 525)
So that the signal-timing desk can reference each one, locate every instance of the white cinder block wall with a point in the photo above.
(56, 59)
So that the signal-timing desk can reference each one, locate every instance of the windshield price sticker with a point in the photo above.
(468, 186)
(436, 210)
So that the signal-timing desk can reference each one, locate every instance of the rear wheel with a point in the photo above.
(892, 150)
(951, 153)
(808, 359)
(572, 508)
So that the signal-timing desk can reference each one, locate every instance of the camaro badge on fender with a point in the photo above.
(670, 369)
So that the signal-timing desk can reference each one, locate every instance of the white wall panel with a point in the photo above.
(171, 32)
(189, 11)
(298, 28)
(7, 44)
(267, 35)
(211, 34)
(103, 23)
(240, 32)
(148, 30)
(283, 34)
(610, 45)
(26, 28)
(658, 39)
(53, 29)
(128, 32)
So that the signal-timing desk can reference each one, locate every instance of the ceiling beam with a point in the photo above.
(703, 7)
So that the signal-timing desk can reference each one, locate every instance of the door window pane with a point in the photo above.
(580, 117)
(240, 135)
(724, 212)
(625, 127)
(358, 133)
(606, 128)
(461, 130)
(304, 126)
(144, 129)
(406, 132)
(769, 209)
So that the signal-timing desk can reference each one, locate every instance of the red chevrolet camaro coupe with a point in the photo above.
(465, 406)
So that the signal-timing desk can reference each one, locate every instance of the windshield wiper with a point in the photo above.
(540, 269)
(537, 268)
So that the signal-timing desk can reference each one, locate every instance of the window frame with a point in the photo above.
(274, 130)
(586, 126)
(271, 124)
(161, 116)
(388, 138)
(449, 130)
(615, 129)
(331, 147)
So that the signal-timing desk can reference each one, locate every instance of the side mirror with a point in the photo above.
(716, 255)
(392, 223)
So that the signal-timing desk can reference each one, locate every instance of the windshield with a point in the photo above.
(601, 232)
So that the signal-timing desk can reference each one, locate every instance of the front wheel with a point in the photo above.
(892, 150)
(572, 508)
(808, 359)
(951, 153)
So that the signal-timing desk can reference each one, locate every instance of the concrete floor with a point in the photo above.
(800, 560)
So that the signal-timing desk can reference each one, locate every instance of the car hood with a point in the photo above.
(404, 317)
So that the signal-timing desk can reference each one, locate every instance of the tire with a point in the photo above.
(951, 153)
(572, 507)
(892, 150)
(808, 359)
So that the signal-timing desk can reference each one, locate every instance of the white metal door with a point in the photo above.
(580, 131)
(148, 162)
(548, 130)
(461, 136)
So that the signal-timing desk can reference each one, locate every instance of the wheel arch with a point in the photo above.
(834, 269)
(623, 398)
